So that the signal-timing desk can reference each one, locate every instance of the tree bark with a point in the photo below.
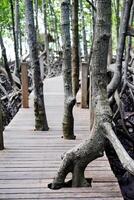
(68, 120)
(75, 47)
(39, 107)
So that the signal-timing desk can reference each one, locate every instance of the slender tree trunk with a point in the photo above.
(68, 120)
(36, 15)
(1, 130)
(118, 19)
(20, 42)
(17, 34)
(75, 47)
(3, 49)
(56, 27)
(84, 33)
(39, 107)
(93, 18)
(128, 49)
(46, 42)
(17, 67)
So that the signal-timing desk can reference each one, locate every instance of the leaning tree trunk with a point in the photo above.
(84, 32)
(6, 66)
(76, 159)
(68, 120)
(36, 15)
(46, 42)
(17, 34)
(39, 107)
(17, 67)
(75, 47)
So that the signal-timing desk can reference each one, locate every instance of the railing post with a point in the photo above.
(84, 85)
(24, 80)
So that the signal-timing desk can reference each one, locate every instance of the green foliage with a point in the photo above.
(5, 15)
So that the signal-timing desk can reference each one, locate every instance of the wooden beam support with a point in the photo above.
(24, 80)
(84, 85)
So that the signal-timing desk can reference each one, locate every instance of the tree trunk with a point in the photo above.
(68, 120)
(3, 49)
(36, 15)
(84, 32)
(39, 107)
(118, 19)
(46, 42)
(15, 29)
(128, 49)
(75, 47)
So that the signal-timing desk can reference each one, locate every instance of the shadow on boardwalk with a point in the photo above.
(30, 159)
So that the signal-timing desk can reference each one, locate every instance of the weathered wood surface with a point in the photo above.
(30, 159)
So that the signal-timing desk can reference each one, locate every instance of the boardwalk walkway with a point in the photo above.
(30, 159)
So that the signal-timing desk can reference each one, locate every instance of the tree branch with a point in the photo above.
(91, 4)
(126, 161)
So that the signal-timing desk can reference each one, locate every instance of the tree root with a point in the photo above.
(77, 159)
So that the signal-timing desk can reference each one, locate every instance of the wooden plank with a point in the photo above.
(107, 198)
(62, 196)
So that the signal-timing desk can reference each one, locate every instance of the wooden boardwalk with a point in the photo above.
(30, 159)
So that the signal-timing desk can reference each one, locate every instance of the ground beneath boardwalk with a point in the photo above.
(30, 159)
